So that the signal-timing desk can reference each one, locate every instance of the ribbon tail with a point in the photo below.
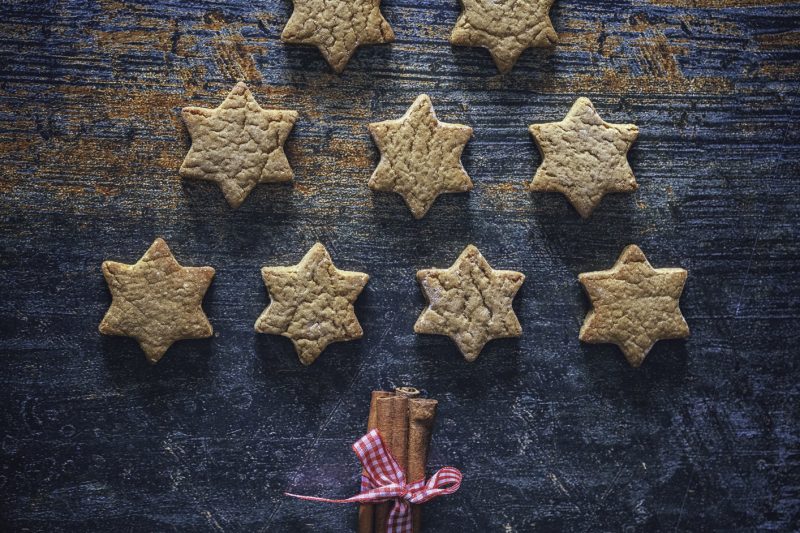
(400, 519)
(318, 499)
(446, 481)
(376, 495)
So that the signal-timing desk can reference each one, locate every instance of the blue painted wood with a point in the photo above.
(552, 435)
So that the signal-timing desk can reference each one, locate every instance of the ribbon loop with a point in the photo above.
(384, 480)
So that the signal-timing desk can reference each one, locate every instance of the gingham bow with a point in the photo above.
(384, 480)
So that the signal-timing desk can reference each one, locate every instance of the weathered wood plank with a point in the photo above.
(551, 434)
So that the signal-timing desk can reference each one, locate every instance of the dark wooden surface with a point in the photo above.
(552, 435)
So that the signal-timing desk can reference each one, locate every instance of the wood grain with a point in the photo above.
(552, 435)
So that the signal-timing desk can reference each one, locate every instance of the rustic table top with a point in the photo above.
(552, 435)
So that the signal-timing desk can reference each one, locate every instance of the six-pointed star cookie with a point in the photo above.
(420, 156)
(634, 305)
(156, 301)
(584, 157)
(312, 303)
(505, 27)
(238, 144)
(337, 27)
(469, 302)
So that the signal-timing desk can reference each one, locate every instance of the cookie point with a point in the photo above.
(373, 183)
(107, 267)
(635, 360)
(633, 253)
(583, 333)
(153, 356)
(305, 356)
(234, 201)
(471, 249)
(470, 357)
(338, 66)
(422, 326)
(503, 68)
(159, 248)
(191, 111)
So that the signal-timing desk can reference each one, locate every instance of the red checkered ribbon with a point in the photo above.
(383, 480)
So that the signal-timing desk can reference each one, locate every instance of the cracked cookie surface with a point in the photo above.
(237, 145)
(337, 27)
(156, 301)
(505, 27)
(584, 157)
(311, 303)
(420, 157)
(469, 302)
(634, 305)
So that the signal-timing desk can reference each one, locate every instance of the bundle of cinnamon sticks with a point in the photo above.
(404, 421)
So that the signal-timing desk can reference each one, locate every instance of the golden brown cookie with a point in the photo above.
(420, 156)
(505, 27)
(584, 157)
(469, 302)
(337, 27)
(238, 144)
(312, 303)
(634, 305)
(156, 301)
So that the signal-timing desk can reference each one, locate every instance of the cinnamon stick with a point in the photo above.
(366, 511)
(411, 392)
(392, 422)
(421, 415)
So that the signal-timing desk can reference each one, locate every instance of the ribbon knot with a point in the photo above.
(383, 480)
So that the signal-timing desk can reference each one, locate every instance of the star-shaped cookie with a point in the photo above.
(584, 157)
(312, 303)
(634, 305)
(420, 156)
(337, 27)
(238, 144)
(156, 300)
(469, 302)
(505, 27)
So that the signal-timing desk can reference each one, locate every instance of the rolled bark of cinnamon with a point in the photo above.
(366, 511)
(392, 422)
(421, 416)
(410, 392)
